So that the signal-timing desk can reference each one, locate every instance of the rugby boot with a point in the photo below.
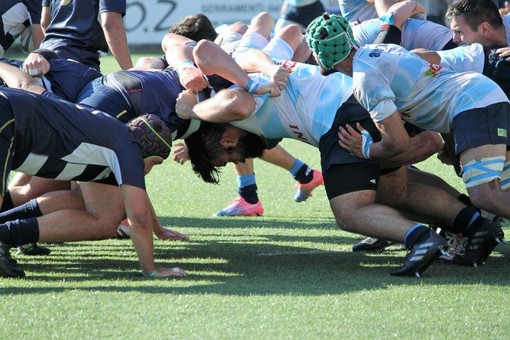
(421, 255)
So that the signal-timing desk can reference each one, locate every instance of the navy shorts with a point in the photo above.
(304, 15)
(363, 174)
(483, 126)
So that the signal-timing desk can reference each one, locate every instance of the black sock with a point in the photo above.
(465, 199)
(19, 232)
(249, 193)
(418, 233)
(7, 202)
(304, 174)
(24, 211)
(467, 221)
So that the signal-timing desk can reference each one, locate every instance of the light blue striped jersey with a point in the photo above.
(305, 110)
(464, 58)
(387, 78)
(357, 10)
(415, 34)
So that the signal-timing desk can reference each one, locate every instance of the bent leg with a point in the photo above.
(23, 188)
(483, 180)
(104, 210)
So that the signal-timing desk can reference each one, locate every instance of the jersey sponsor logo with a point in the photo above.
(502, 132)
(299, 135)
(433, 70)
(289, 65)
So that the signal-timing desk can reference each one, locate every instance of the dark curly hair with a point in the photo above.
(154, 136)
(195, 27)
(204, 148)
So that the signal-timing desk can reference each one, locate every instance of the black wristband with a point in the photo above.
(389, 34)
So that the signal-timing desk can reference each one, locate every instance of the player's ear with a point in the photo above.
(485, 28)
(228, 142)
(230, 138)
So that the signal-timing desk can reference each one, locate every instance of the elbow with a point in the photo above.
(237, 107)
(112, 22)
(433, 142)
(202, 54)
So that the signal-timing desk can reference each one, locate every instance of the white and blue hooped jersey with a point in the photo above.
(305, 110)
(415, 34)
(465, 58)
(356, 11)
(387, 78)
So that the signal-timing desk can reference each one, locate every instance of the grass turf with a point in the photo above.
(289, 274)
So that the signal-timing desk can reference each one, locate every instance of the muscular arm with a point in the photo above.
(15, 78)
(431, 57)
(255, 60)
(211, 59)
(394, 139)
(115, 35)
(421, 147)
(226, 106)
(178, 54)
(37, 35)
(382, 6)
(45, 18)
(140, 218)
(140, 221)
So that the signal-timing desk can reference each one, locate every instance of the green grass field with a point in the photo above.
(287, 275)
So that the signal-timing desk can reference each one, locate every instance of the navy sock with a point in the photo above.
(7, 202)
(465, 199)
(249, 193)
(24, 211)
(467, 221)
(417, 233)
(19, 232)
(304, 174)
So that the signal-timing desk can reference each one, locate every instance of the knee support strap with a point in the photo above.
(483, 171)
(505, 176)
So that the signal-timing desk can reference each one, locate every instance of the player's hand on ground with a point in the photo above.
(172, 235)
(36, 65)
(170, 272)
(504, 52)
(184, 104)
(193, 79)
(180, 153)
(350, 139)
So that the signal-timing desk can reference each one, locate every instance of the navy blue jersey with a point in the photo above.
(56, 139)
(74, 31)
(67, 78)
(128, 94)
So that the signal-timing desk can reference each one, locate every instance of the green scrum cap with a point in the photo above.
(331, 38)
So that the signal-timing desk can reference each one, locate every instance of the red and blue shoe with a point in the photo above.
(304, 190)
(239, 207)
